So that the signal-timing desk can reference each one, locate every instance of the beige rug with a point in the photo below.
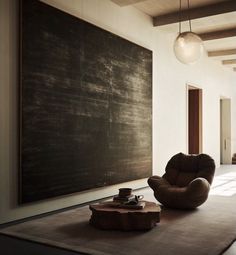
(208, 230)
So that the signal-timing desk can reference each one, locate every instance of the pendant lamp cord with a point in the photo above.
(189, 20)
(180, 18)
(180, 7)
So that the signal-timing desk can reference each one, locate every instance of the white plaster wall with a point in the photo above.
(169, 97)
(170, 102)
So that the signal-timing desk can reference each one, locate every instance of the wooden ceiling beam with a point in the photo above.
(195, 13)
(229, 62)
(126, 2)
(218, 53)
(218, 34)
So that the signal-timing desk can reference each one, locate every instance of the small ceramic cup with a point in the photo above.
(125, 192)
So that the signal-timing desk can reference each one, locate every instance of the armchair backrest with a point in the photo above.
(182, 169)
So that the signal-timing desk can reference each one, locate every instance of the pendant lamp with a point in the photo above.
(188, 46)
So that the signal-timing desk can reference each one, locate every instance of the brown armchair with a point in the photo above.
(186, 182)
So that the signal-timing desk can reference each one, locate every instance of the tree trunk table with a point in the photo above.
(112, 218)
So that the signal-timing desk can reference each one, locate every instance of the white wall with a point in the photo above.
(170, 104)
(169, 97)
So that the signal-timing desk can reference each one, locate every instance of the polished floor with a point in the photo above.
(224, 184)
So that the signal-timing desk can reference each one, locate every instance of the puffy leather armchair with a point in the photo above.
(186, 182)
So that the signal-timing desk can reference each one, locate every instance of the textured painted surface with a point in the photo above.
(86, 104)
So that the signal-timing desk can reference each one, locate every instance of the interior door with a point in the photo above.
(194, 120)
(225, 131)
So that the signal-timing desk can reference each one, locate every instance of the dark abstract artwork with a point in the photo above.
(85, 105)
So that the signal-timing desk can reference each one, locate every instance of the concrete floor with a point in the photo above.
(231, 250)
(14, 246)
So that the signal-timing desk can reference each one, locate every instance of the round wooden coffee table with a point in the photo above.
(107, 217)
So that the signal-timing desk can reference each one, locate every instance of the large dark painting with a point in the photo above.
(86, 105)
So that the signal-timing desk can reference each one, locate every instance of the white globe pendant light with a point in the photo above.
(188, 46)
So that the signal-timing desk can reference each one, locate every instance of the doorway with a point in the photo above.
(194, 120)
(225, 131)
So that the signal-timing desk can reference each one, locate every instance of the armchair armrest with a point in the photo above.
(156, 181)
(199, 186)
(197, 191)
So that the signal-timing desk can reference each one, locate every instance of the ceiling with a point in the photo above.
(213, 20)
